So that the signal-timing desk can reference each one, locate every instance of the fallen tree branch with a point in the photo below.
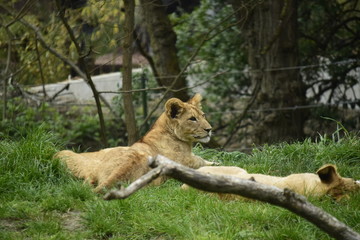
(136, 185)
(227, 184)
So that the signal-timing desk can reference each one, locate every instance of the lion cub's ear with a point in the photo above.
(174, 107)
(328, 173)
(196, 100)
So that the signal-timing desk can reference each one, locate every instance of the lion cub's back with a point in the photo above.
(222, 170)
(304, 183)
(105, 153)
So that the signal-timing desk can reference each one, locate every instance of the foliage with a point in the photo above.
(105, 17)
(40, 199)
(77, 127)
(26, 50)
(329, 36)
(96, 26)
(214, 21)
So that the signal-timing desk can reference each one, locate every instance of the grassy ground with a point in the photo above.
(40, 200)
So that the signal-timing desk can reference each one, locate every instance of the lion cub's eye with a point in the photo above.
(193, 119)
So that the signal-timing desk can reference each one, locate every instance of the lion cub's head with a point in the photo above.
(187, 121)
(338, 187)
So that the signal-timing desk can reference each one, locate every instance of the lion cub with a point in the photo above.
(326, 181)
(172, 135)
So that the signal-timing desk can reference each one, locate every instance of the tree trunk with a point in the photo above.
(133, 136)
(4, 76)
(271, 33)
(163, 47)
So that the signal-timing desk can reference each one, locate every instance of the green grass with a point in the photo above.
(39, 199)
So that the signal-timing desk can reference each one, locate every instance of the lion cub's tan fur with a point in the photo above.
(172, 135)
(326, 181)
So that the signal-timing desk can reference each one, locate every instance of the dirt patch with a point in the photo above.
(72, 221)
(12, 224)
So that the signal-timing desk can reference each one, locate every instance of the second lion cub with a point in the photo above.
(326, 181)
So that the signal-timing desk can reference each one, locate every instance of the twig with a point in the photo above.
(163, 88)
(66, 87)
(146, 55)
(86, 73)
(21, 13)
(135, 90)
(246, 188)
(244, 112)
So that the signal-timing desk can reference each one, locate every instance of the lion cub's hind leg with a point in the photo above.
(118, 176)
(80, 166)
(130, 167)
(115, 177)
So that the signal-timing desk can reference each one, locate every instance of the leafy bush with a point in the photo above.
(77, 127)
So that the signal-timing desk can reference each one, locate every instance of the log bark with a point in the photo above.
(228, 184)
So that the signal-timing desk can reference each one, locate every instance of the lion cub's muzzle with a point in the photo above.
(204, 138)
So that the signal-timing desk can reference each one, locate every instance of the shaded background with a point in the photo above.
(269, 71)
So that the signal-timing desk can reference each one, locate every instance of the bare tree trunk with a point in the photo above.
(163, 47)
(40, 69)
(246, 188)
(271, 33)
(4, 107)
(133, 136)
(5, 77)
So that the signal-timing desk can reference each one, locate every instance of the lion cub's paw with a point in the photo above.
(207, 163)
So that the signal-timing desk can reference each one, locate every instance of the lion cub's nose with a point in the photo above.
(208, 129)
